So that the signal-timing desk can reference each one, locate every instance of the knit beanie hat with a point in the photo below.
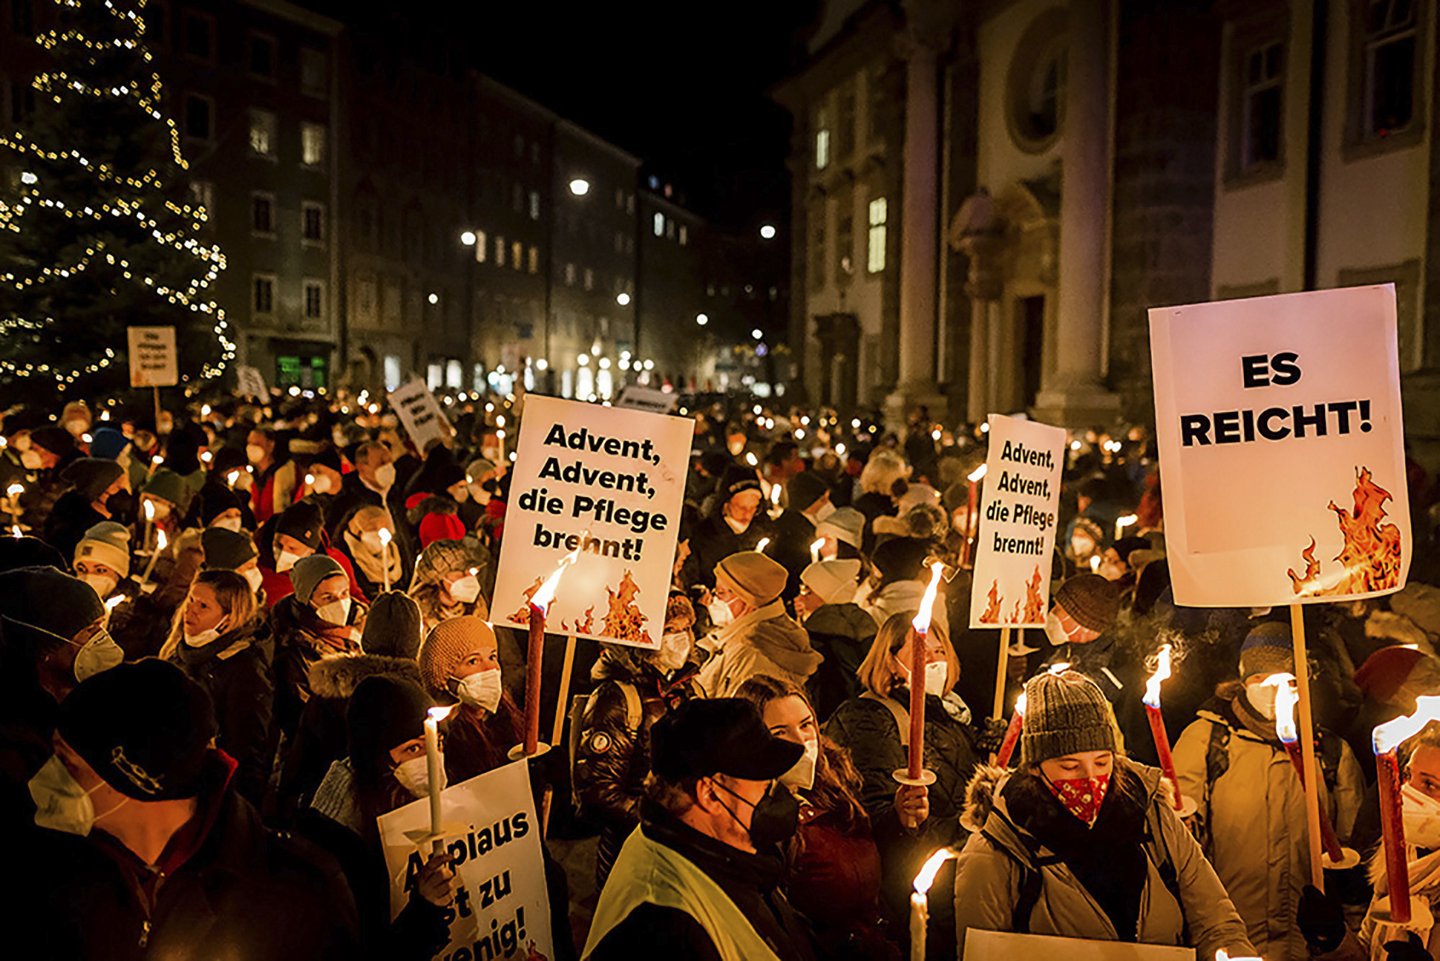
(1267, 650)
(308, 572)
(168, 485)
(736, 480)
(302, 521)
(834, 582)
(48, 601)
(1386, 671)
(106, 543)
(901, 559)
(226, 550)
(227, 459)
(756, 578)
(449, 643)
(392, 628)
(91, 475)
(107, 443)
(1091, 527)
(1064, 714)
(144, 727)
(384, 712)
(216, 499)
(478, 468)
(846, 525)
(440, 527)
(441, 558)
(27, 551)
(804, 489)
(1091, 600)
(56, 440)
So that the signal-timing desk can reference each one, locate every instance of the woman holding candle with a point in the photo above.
(1079, 842)
(377, 560)
(1251, 806)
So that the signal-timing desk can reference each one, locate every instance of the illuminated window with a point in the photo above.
(499, 251)
(570, 275)
(875, 246)
(454, 374)
(684, 236)
(262, 133)
(482, 247)
(312, 144)
(822, 139)
(659, 222)
(202, 193)
(534, 259)
(517, 254)
(534, 205)
(589, 279)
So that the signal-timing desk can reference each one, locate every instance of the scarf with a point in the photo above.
(371, 564)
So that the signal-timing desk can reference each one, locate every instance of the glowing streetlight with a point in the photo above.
(468, 238)
(767, 231)
(757, 333)
(702, 319)
(433, 299)
(579, 186)
(623, 299)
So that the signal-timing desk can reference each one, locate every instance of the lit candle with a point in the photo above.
(1386, 741)
(15, 531)
(159, 547)
(1286, 699)
(761, 544)
(815, 546)
(500, 440)
(1123, 522)
(434, 767)
(920, 901)
(155, 462)
(1012, 733)
(972, 500)
(149, 508)
(1094, 563)
(13, 492)
(384, 534)
(775, 500)
(919, 656)
(1157, 722)
(539, 606)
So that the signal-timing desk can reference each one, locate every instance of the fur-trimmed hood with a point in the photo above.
(982, 794)
(338, 675)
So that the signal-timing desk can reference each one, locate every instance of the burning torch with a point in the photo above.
(914, 774)
(1337, 858)
(1386, 741)
(1183, 806)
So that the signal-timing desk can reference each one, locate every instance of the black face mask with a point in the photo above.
(120, 504)
(774, 820)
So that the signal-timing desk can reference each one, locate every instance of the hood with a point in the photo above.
(338, 675)
(982, 794)
(843, 620)
(783, 641)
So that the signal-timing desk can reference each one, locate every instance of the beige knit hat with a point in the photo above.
(756, 578)
(834, 582)
(447, 644)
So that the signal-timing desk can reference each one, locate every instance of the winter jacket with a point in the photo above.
(612, 754)
(1008, 879)
(243, 892)
(320, 737)
(235, 669)
(1253, 811)
(273, 491)
(903, 597)
(842, 635)
(713, 541)
(302, 639)
(764, 641)
(835, 882)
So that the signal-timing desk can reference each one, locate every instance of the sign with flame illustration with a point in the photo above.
(1282, 448)
(609, 483)
(1018, 511)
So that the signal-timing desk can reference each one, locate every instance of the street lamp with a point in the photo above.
(702, 319)
(468, 238)
(757, 333)
(579, 186)
(767, 231)
(434, 299)
(623, 299)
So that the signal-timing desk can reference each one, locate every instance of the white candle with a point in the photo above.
(815, 546)
(434, 770)
(920, 901)
(384, 533)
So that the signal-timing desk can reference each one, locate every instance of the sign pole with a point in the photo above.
(564, 694)
(156, 389)
(1307, 744)
(1000, 672)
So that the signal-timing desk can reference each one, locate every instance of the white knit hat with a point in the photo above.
(834, 582)
(106, 543)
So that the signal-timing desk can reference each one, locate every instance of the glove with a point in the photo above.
(991, 736)
(1321, 918)
(1412, 949)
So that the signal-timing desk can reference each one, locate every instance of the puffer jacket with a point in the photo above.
(1254, 820)
(612, 757)
(842, 635)
(302, 639)
(1181, 901)
(764, 641)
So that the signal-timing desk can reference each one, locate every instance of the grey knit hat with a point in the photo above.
(1064, 714)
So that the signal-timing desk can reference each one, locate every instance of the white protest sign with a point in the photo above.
(611, 483)
(502, 909)
(420, 414)
(1006, 945)
(248, 381)
(1282, 448)
(648, 398)
(153, 360)
(1016, 535)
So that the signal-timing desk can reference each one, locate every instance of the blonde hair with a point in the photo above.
(881, 471)
(232, 593)
(878, 673)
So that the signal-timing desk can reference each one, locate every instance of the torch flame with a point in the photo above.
(1122, 522)
(160, 541)
(1162, 673)
(761, 544)
(921, 622)
(1286, 697)
(114, 602)
(232, 477)
(541, 599)
(1094, 563)
(750, 459)
(1392, 734)
(1059, 668)
(1020, 703)
(775, 494)
(978, 474)
(926, 877)
(438, 714)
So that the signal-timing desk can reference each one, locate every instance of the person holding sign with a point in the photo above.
(1251, 804)
(1080, 842)
(762, 639)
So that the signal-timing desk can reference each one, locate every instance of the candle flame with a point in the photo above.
(232, 477)
(1059, 668)
(385, 536)
(750, 459)
(15, 490)
(1162, 673)
(1124, 521)
(1020, 703)
(15, 531)
(114, 602)
(206, 456)
(761, 544)
(926, 877)
(1094, 563)
(546, 593)
(438, 714)
(1286, 697)
(160, 540)
(921, 622)
(309, 480)
(1392, 734)
(775, 494)
(157, 460)
(978, 474)
(815, 546)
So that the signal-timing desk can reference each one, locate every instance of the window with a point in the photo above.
(21, 101)
(822, 139)
(1035, 83)
(517, 254)
(263, 294)
(517, 197)
(1391, 55)
(482, 247)
(314, 300)
(534, 259)
(202, 194)
(262, 214)
(817, 251)
(499, 251)
(684, 236)
(312, 144)
(22, 17)
(845, 122)
(875, 103)
(534, 205)
(392, 371)
(569, 275)
(367, 300)
(262, 133)
(670, 230)
(454, 374)
(199, 117)
(261, 55)
(535, 152)
(1262, 105)
(312, 222)
(875, 236)
(314, 77)
(844, 244)
(157, 33)
(198, 36)
(589, 279)
(659, 222)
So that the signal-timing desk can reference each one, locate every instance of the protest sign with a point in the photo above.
(648, 398)
(420, 414)
(153, 360)
(248, 381)
(493, 837)
(1281, 448)
(1006, 945)
(1021, 500)
(610, 483)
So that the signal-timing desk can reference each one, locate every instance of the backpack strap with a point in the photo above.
(634, 711)
(901, 715)
(1032, 879)
(1217, 755)
(1159, 853)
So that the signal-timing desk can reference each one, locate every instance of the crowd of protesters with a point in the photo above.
(222, 625)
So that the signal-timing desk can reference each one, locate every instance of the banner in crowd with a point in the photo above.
(610, 484)
(1281, 442)
(648, 398)
(493, 838)
(420, 414)
(983, 945)
(153, 360)
(1016, 534)
(250, 382)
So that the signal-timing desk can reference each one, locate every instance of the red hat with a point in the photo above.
(1383, 672)
(440, 527)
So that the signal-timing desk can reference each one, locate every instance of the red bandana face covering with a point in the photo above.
(1081, 796)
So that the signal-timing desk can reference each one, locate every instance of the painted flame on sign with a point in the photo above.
(921, 622)
(1370, 555)
(1286, 697)
(1390, 735)
(1162, 673)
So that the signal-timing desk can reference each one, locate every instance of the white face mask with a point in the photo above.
(480, 690)
(254, 453)
(228, 523)
(1421, 814)
(208, 636)
(336, 612)
(826, 509)
(284, 561)
(253, 577)
(98, 654)
(31, 459)
(414, 775)
(61, 804)
(802, 775)
(1262, 699)
(937, 675)
(385, 476)
(321, 485)
(1054, 633)
(460, 492)
(481, 495)
(372, 541)
(674, 651)
(102, 583)
(465, 590)
(720, 613)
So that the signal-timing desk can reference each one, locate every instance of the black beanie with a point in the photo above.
(302, 521)
(91, 475)
(47, 600)
(392, 627)
(18, 552)
(901, 558)
(738, 479)
(227, 459)
(384, 712)
(56, 440)
(144, 727)
(216, 499)
(226, 550)
(805, 488)
(328, 457)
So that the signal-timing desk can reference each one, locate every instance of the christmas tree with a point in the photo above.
(97, 232)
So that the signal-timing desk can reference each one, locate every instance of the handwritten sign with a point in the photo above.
(153, 358)
(420, 414)
(648, 398)
(250, 383)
